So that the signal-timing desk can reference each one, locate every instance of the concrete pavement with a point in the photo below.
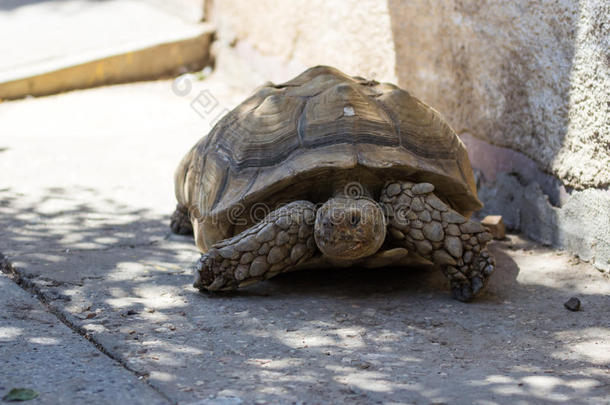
(85, 200)
(39, 352)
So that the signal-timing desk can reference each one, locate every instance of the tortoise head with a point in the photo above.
(349, 228)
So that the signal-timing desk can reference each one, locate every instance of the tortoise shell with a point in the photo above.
(297, 140)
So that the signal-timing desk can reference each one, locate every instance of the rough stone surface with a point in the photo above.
(299, 34)
(580, 225)
(92, 234)
(541, 90)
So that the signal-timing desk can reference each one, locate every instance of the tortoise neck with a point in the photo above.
(352, 188)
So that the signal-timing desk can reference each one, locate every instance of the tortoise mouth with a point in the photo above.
(349, 229)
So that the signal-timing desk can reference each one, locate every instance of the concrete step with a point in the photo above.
(75, 44)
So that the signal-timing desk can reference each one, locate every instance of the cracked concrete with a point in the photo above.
(33, 341)
(84, 212)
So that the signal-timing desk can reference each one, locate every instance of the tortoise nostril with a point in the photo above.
(354, 218)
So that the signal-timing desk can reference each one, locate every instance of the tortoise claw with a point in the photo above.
(466, 290)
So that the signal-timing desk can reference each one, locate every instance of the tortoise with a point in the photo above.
(330, 170)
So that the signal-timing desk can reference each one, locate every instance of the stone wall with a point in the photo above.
(524, 83)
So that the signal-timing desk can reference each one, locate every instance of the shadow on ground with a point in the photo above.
(342, 336)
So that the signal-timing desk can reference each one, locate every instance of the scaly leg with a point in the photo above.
(282, 240)
(180, 221)
(420, 221)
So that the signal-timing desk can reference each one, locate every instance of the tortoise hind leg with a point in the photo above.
(276, 244)
(419, 220)
(180, 221)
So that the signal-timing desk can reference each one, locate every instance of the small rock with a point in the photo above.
(495, 225)
(573, 304)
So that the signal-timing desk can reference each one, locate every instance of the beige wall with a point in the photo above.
(351, 35)
(529, 75)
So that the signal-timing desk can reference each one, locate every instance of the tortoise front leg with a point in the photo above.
(419, 220)
(282, 240)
